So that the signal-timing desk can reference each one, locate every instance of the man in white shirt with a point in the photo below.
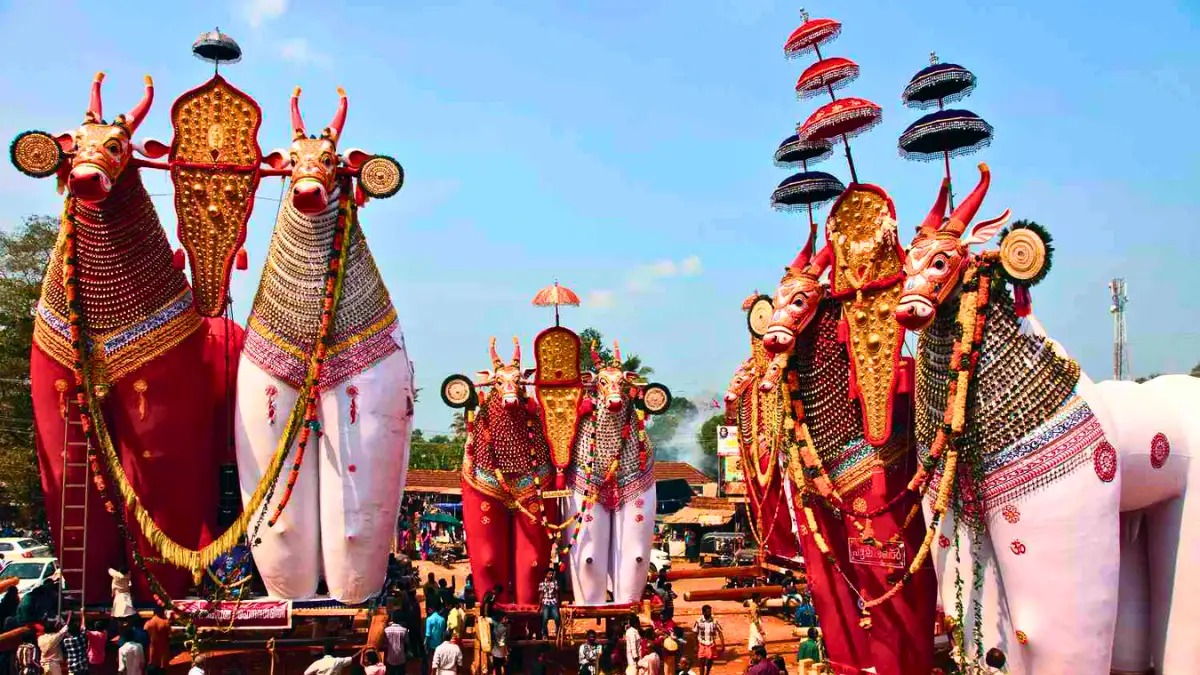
(198, 662)
(395, 642)
(131, 659)
(633, 645)
(328, 664)
(447, 658)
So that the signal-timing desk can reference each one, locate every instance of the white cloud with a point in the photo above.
(297, 51)
(690, 266)
(258, 12)
(645, 277)
(602, 299)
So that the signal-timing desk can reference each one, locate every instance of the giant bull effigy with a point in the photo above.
(133, 368)
(580, 438)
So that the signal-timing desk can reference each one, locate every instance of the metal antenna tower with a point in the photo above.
(1120, 346)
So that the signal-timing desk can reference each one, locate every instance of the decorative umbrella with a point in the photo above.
(217, 48)
(948, 131)
(840, 118)
(555, 295)
(834, 72)
(945, 133)
(810, 35)
(794, 152)
(806, 189)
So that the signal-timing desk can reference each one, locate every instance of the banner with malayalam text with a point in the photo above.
(243, 615)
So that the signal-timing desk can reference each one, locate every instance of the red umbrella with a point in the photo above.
(831, 73)
(811, 34)
(840, 119)
(556, 295)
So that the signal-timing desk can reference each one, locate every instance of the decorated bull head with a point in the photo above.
(610, 380)
(509, 381)
(742, 378)
(934, 266)
(796, 298)
(90, 159)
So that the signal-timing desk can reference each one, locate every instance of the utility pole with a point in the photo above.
(1120, 346)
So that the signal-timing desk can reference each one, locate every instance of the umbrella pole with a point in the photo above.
(845, 141)
(946, 160)
(556, 324)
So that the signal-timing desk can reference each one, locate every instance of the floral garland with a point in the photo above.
(943, 453)
(311, 392)
(748, 448)
(589, 500)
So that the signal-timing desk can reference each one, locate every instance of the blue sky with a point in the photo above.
(624, 148)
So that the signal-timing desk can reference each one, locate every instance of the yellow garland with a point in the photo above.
(171, 551)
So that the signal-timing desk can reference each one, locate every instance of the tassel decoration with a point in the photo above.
(179, 259)
(140, 387)
(61, 387)
(272, 392)
(242, 262)
(352, 392)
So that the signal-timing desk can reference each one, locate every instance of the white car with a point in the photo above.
(31, 573)
(659, 559)
(14, 548)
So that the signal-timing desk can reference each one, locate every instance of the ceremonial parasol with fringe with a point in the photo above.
(555, 295)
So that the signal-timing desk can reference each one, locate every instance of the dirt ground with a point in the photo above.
(732, 615)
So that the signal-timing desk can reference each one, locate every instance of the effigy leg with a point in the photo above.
(363, 459)
(589, 555)
(288, 555)
(1131, 637)
(531, 551)
(488, 525)
(632, 539)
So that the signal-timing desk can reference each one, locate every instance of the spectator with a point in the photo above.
(548, 590)
(97, 641)
(780, 664)
(199, 662)
(33, 607)
(447, 659)
(75, 649)
(435, 634)
(633, 645)
(651, 662)
(708, 630)
(685, 667)
(995, 660)
(8, 605)
(433, 599)
(805, 617)
(50, 645)
(445, 593)
(661, 579)
(456, 619)
(29, 657)
(158, 631)
(667, 595)
(757, 635)
(500, 644)
(395, 639)
(810, 648)
(589, 655)
(372, 664)
(131, 658)
(328, 664)
(539, 665)
(489, 600)
(122, 599)
(760, 664)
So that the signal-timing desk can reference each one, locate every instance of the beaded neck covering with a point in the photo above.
(286, 317)
(511, 441)
(606, 436)
(1026, 424)
(760, 417)
(822, 366)
(135, 304)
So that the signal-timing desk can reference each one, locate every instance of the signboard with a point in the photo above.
(243, 615)
(731, 469)
(889, 554)
(727, 442)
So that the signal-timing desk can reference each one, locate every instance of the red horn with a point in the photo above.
(970, 206)
(516, 352)
(617, 361)
(933, 221)
(95, 106)
(596, 362)
(339, 117)
(496, 362)
(805, 254)
(817, 267)
(297, 121)
(142, 108)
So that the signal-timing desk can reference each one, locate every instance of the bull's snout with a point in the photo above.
(778, 340)
(614, 403)
(89, 183)
(309, 197)
(914, 312)
(510, 401)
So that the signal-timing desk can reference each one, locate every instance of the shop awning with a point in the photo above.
(691, 515)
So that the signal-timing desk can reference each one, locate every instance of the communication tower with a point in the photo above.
(1120, 346)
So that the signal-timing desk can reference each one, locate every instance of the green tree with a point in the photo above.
(24, 253)
(706, 438)
(662, 430)
(631, 362)
(1149, 377)
(1195, 370)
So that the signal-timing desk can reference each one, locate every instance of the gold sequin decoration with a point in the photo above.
(557, 352)
(1023, 254)
(381, 177)
(863, 232)
(36, 153)
(215, 125)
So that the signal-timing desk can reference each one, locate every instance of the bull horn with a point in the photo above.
(516, 352)
(817, 267)
(496, 362)
(96, 106)
(970, 206)
(933, 221)
(596, 362)
(805, 254)
(617, 360)
(297, 121)
(140, 110)
(339, 117)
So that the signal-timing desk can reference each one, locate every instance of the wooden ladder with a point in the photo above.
(76, 488)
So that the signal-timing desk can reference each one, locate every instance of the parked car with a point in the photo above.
(22, 547)
(659, 559)
(717, 549)
(31, 573)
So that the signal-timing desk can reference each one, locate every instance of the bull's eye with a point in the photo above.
(939, 263)
(113, 147)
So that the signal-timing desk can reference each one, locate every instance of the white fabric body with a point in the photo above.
(613, 549)
(339, 523)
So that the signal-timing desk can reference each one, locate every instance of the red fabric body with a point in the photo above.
(171, 458)
(506, 547)
(781, 540)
